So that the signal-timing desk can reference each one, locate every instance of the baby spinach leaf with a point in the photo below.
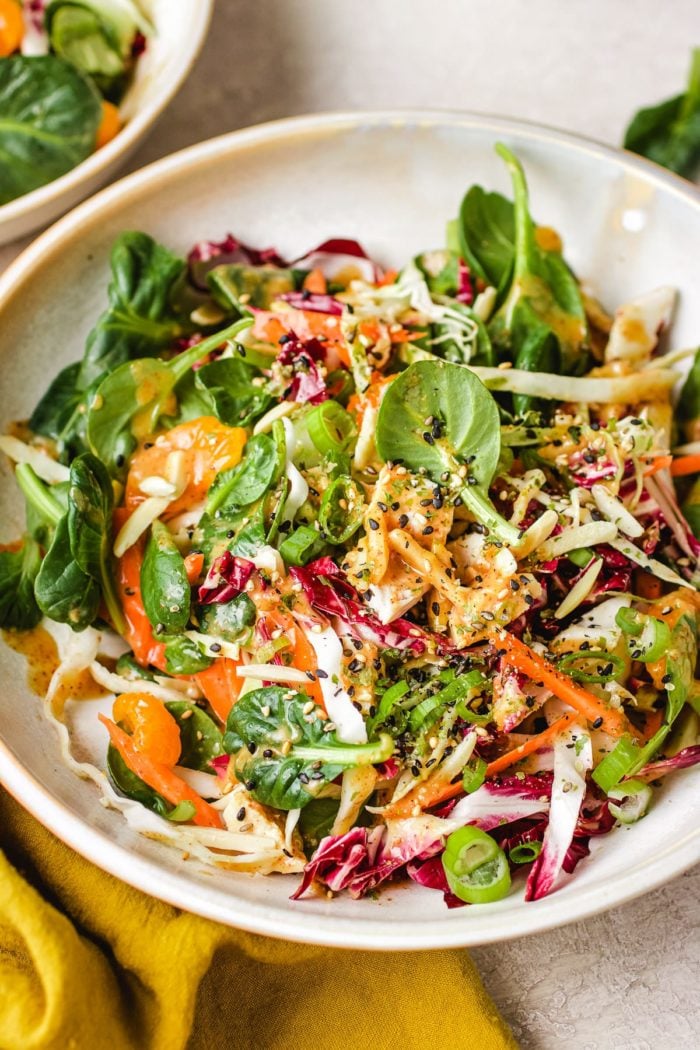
(486, 235)
(49, 115)
(201, 740)
(54, 413)
(316, 820)
(164, 585)
(184, 656)
(89, 515)
(259, 730)
(131, 785)
(669, 133)
(228, 383)
(229, 620)
(542, 294)
(141, 319)
(18, 571)
(128, 666)
(248, 481)
(240, 287)
(140, 392)
(63, 591)
(688, 406)
(468, 419)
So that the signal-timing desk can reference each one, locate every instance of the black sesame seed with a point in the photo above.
(304, 777)
(403, 521)
(428, 437)
(267, 753)
(241, 813)
(252, 747)
(598, 722)
(428, 530)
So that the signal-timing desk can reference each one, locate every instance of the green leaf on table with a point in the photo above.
(669, 132)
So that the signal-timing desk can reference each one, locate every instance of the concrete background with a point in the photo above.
(627, 980)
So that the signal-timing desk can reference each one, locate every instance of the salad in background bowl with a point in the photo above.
(80, 83)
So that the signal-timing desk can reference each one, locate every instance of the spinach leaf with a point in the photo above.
(128, 666)
(688, 406)
(259, 730)
(54, 415)
(89, 517)
(250, 479)
(49, 115)
(63, 591)
(316, 820)
(201, 740)
(141, 319)
(131, 785)
(229, 620)
(238, 287)
(137, 394)
(228, 383)
(543, 303)
(470, 434)
(45, 504)
(486, 235)
(18, 570)
(184, 656)
(164, 585)
(669, 133)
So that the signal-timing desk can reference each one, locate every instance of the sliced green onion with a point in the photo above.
(475, 866)
(652, 637)
(525, 852)
(630, 621)
(301, 546)
(266, 652)
(389, 698)
(630, 801)
(617, 764)
(330, 427)
(340, 522)
(581, 556)
(616, 663)
(474, 775)
(425, 712)
(182, 811)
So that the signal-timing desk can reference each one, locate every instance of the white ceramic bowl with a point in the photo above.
(391, 180)
(180, 28)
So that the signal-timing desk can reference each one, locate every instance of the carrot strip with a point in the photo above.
(685, 465)
(660, 463)
(194, 563)
(160, 778)
(518, 655)
(220, 685)
(534, 744)
(647, 586)
(315, 282)
(139, 632)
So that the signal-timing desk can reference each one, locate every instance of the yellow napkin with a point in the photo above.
(87, 963)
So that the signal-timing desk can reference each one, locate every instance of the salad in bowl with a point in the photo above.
(376, 574)
(64, 68)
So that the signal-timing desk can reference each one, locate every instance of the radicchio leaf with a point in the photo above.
(328, 591)
(304, 357)
(226, 578)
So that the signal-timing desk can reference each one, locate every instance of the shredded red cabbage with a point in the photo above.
(689, 756)
(465, 286)
(315, 301)
(328, 592)
(226, 578)
(304, 356)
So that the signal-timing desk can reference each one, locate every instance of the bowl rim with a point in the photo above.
(476, 926)
(200, 14)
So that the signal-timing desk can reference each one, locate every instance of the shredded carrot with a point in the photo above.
(388, 277)
(194, 563)
(518, 655)
(220, 685)
(685, 465)
(315, 282)
(535, 743)
(647, 586)
(109, 125)
(660, 463)
(139, 632)
(160, 778)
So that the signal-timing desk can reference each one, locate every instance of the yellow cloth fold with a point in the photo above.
(88, 963)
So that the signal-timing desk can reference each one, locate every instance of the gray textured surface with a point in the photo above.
(626, 980)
